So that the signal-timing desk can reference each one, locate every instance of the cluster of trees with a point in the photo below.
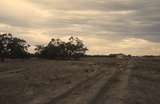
(58, 49)
(13, 47)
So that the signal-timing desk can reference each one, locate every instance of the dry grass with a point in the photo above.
(145, 82)
(24, 80)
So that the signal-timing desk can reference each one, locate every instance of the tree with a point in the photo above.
(54, 49)
(75, 47)
(18, 48)
(57, 48)
(39, 49)
(12, 47)
(4, 40)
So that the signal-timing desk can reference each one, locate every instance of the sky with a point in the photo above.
(105, 26)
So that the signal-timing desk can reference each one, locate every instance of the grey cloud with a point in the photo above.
(101, 5)
(108, 19)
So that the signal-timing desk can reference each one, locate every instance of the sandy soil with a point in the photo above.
(87, 81)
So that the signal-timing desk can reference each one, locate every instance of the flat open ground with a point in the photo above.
(94, 80)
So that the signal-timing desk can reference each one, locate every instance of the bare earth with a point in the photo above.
(95, 80)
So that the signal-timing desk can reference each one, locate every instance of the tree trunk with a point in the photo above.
(2, 58)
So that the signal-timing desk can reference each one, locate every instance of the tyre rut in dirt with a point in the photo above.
(99, 97)
(76, 88)
(114, 90)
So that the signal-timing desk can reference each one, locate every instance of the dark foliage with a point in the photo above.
(58, 49)
(12, 47)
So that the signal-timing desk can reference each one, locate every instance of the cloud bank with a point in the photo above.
(106, 26)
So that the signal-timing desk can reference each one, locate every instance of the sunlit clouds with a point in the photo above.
(106, 26)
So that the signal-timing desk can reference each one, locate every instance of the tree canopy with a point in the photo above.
(12, 47)
(57, 48)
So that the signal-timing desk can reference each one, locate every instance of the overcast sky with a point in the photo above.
(106, 26)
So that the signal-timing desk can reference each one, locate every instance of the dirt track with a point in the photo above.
(115, 89)
(108, 89)
(90, 81)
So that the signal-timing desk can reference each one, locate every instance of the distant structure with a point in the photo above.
(119, 56)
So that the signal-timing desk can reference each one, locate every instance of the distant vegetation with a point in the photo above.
(58, 49)
(13, 47)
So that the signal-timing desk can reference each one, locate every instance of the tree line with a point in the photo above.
(14, 47)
